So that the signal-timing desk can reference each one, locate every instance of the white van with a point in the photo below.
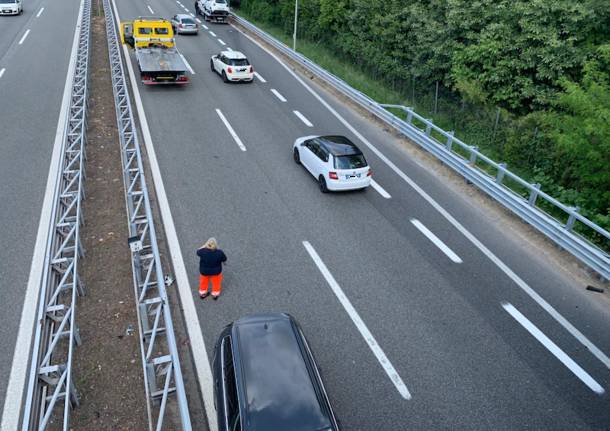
(11, 7)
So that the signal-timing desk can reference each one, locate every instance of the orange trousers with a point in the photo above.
(204, 282)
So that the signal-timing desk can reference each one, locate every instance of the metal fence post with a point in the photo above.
(428, 126)
(501, 172)
(534, 194)
(473, 155)
(572, 218)
(449, 140)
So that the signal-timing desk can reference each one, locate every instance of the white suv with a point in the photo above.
(335, 161)
(11, 7)
(232, 66)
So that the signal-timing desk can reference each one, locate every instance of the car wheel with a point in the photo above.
(322, 182)
(212, 65)
(224, 77)
(296, 156)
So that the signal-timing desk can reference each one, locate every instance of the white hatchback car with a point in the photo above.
(335, 161)
(11, 7)
(232, 66)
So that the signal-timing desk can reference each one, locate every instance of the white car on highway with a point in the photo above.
(335, 161)
(232, 66)
(11, 7)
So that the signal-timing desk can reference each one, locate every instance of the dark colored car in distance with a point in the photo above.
(266, 379)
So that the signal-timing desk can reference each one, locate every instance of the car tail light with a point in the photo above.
(182, 78)
(333, 176)
(251, 69)
(369, 173)
(229, 70)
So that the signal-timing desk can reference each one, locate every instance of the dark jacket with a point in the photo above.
(210, 261)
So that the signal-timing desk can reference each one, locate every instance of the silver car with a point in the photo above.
(184, 24)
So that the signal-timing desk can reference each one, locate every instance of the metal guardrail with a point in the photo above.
(159, 352)
(473, 166)
(50, 382)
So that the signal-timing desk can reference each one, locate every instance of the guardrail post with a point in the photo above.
(501, 172)
(473, 155)
(428, 126)
(534, 194)
(449, 140)
(409, 116)
(572, 218)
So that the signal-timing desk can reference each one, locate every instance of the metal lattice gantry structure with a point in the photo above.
(160, 360)
(51, 394)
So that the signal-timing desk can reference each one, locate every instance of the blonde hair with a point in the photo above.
(210, 244)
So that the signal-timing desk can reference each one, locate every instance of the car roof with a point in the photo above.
(233, 54)
(183, 15)
(275, 384)
(338, 145)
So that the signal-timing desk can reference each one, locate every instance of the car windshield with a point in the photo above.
(7, 1)
(353, 161)
(187, 21)
(161, 30)
(239, 62)
(221, 1)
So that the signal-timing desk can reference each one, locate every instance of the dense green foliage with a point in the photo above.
(545, 64)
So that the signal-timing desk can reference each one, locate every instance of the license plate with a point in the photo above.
(241, 70)
(349, 177)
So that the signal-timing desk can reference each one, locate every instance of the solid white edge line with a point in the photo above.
(150, 9)
(231, 131)
(278, 95)
(187, 64)
(380, 189)
(191, 320)
(2, 71)
(39, 12)
(11, 412)
(303, 119)
(24, 36)
(436, 241)
(221, 42)
(212, 33)
(260, 78)
(478, 244)
(554, 349)
(360, 325)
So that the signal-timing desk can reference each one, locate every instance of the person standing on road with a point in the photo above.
(210, 268)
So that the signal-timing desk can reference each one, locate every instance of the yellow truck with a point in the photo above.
(155, 50)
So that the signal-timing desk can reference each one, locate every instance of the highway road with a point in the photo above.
(422, 310)
(489, 337)
(34, 56)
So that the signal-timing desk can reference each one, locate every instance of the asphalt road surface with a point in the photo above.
(477, 348)
(472, 344)
(34, 56)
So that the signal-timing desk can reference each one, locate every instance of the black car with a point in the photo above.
(266, 379)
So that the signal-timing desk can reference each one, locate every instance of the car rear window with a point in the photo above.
(239, 62)
(353, 161)
(187, 21)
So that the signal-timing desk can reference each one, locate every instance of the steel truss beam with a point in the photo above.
(51, 394)
(160, 361)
